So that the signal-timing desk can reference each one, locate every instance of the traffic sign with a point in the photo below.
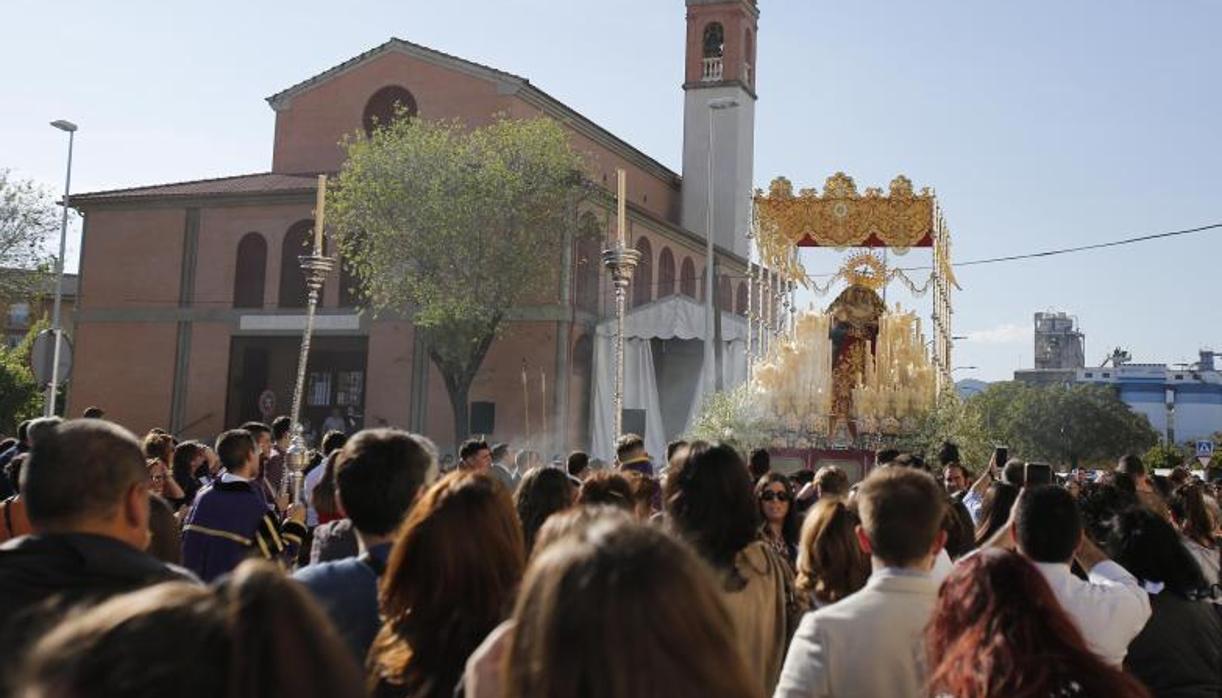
(1205, 448)
(42, 355)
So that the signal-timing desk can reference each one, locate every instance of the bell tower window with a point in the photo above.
(714, 51)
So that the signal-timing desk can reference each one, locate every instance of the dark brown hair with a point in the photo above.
(588, 623)
(607, 487)
(257, 634)
(790, 527)
(998, 630)
(322, 498)
(1188, 508)
(449, 581)
(377, 474)
(995, 508)
(710, 503)
(626, 444)
(83, 470)
(831, 563)
(541, 493)
(831, 481)
(159, 446)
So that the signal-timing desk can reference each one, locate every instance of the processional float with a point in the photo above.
(858, 372)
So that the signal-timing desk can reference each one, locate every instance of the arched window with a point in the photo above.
(704, 283)
(740, 304)
(292, 279)
(714, 40)
(250, 271)
(383, 107)
(666, 273)
(587, 264)
(725, 294)
(687, 278)
(642, 282)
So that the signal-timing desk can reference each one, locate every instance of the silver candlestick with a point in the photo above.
(297, 458)
(621, 262)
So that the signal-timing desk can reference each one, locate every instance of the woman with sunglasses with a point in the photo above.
(774, 495)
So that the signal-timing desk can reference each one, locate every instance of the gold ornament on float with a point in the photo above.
(865, 269)
(842, 217)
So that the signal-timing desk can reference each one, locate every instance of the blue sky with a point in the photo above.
(1041, 124)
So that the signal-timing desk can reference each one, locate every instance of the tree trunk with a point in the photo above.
(458, 366)
(461, 410)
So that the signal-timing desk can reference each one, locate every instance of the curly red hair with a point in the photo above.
(998, 630)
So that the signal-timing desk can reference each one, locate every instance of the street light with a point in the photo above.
(56, 330)
(711, 371)
(965, 368)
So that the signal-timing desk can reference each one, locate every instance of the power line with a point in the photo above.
(1083, 248)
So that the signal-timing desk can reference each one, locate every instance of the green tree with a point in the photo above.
(1164, 455)
(1071, 426)
(455, 228)
(20, 398)
(958, 421)
(28, 221)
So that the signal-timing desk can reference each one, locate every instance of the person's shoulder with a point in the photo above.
(333, 574)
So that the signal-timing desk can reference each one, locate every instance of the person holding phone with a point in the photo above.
(973, 498)
(1110, 607)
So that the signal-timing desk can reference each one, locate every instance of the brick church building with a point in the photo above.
(191, 301)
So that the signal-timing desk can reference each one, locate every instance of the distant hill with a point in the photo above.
(970, 386)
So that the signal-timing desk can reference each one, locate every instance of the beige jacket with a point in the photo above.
(870, 643)
(758, 612)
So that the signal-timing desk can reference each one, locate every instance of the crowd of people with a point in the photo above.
(150, 567)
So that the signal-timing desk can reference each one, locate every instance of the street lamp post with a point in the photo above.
(56, 329)
(710, 316)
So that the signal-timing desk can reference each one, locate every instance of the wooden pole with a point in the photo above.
(621, 216)
(320, 214)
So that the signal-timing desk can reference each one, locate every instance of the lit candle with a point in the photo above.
(319, 213)
(621, 226)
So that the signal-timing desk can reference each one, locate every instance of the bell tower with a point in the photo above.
(719, 119)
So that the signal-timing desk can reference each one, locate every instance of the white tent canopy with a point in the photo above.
(672, 318)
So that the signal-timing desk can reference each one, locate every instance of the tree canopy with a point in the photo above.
(1077, 425)
(20, 396)
(28, 221)
(455, 227)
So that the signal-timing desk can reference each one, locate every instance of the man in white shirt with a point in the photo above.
(872, 643)
(1111, 607)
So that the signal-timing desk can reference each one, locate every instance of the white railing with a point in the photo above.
(713, 68)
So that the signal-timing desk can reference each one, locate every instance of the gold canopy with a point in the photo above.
(841, 217)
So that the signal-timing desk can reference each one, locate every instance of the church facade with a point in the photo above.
(191, 302)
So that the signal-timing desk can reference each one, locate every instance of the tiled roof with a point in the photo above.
(46, 280)
(262, 183)
(393, 42)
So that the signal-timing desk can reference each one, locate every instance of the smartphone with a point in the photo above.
(1001, 454)
(1038, 474)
